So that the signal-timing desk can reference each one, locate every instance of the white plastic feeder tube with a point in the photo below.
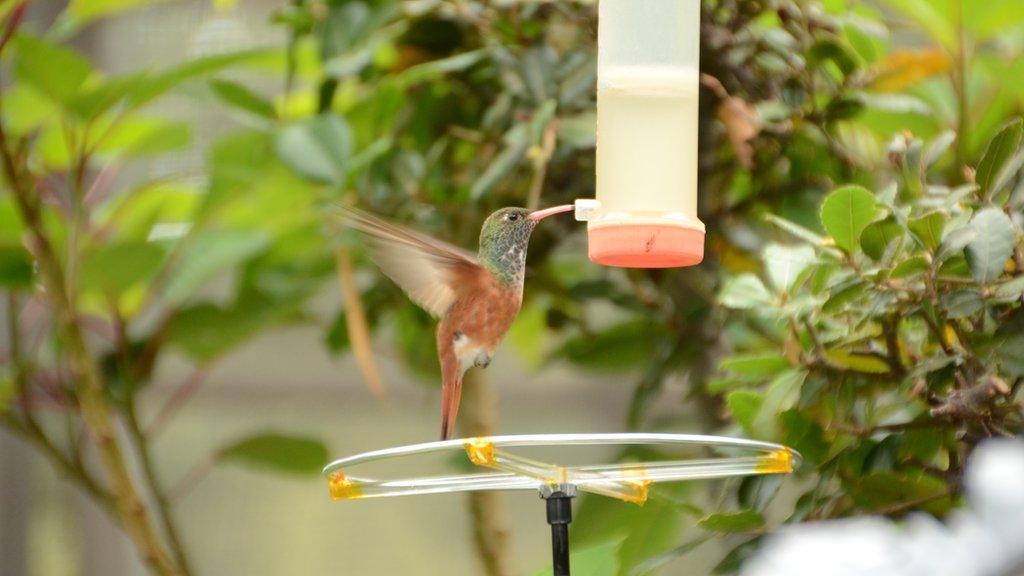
(645, 213)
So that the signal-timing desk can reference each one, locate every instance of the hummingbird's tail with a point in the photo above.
(451, 386)
(450, 397)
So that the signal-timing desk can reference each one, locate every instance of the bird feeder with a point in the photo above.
(645, 213)
(501, 466)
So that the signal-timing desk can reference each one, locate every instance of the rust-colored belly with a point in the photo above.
(484, 314)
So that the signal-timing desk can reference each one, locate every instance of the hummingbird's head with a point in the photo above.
(503, 241)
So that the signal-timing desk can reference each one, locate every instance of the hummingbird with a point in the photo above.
(476, 298)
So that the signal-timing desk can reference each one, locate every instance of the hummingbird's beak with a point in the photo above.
(538, 215)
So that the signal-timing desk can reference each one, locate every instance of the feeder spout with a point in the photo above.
(538, 215)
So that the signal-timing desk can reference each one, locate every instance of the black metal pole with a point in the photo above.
(559, 504)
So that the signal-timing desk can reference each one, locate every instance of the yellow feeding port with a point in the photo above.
(480, 451)
(342, 488)
(777, 462)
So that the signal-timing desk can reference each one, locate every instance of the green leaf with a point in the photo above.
(658, 533)
(1009, 291)
(844, 108)
(616, 349)
(55, 71)
(241, 97)
(993, 19)
(757, 365)
(744, 405)
(928, 229)
(529, 334)
(795, 230)
(99, 97)
(988, 252)
(135, 213)
(155, 85)
(804, 435)
(336, 339)
(8, 393)
(782, 393)
(601, 560)
(736, 557)
(206, 254)
(516, 143)
(828, 49)
(278, 453)
(756, 492)
(345, 24)
(540, 120)
(1009, 348)
(317, 148)
(414, 327)
(1000, 150)
(351, 34)
(962, 303)
(11, 225)
(784, 264)
(15, 267)
(909, 267)
(954, 241)
(145, 136)
(879, 490)
(877, 236)
(838, 299)
(744, 292)
(729, 523)
(578, 132)
(437, 68)
(113, 269)
(931, 18)
(921, 444)
(206, 331)
(857, 362)
(26, 110)
(599, 519)
(81, 12)
(845, 214)
(1009, 172)
(938, 147)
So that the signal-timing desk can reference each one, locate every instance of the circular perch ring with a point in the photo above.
(507, 471)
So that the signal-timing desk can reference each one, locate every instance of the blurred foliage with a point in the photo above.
(885, 348)
(860, 299)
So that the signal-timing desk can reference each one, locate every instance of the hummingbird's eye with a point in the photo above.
(512, 217)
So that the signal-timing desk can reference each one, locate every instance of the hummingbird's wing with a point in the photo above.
(427, 269)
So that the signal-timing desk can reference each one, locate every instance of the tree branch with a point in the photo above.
(487, 509)
(88, 383)
(890, 329)
(541, 157)
(156, 488)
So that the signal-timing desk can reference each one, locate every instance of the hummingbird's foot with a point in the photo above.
(482, 360)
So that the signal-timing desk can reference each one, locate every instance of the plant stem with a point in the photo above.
(959, 77)
(88, 383)
(540, 164)
(14, 340)
(356, 323)
(175, 402)
(487, 509)
(191, 478)
(890, 328)
(156, 488)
